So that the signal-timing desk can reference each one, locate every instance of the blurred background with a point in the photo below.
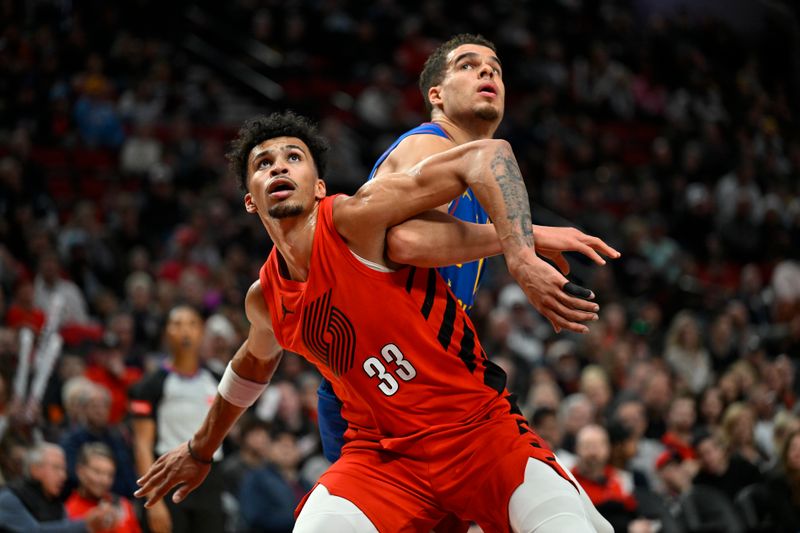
(668, 128)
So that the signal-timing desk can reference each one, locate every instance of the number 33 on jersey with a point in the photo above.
(403, 369)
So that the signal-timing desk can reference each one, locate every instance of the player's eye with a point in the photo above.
(264, 163)
(294, 157)
(466, 66)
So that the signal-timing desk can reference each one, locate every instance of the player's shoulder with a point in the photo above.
(414, 149)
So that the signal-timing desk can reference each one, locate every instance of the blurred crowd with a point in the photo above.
(671, 136)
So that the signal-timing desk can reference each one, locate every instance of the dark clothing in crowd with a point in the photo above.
(24, 508)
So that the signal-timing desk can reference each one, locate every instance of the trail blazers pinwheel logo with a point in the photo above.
(329, 334)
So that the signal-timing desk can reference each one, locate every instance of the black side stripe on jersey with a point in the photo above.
(494, 376)
(430, 292)
(448, 322)
(410, 280)
(467, 351)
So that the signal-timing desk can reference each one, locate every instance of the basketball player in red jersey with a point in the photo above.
(429, 417)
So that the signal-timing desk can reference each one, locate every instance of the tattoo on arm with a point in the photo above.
(508, 176)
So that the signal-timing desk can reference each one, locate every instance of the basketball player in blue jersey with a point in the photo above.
(462, 85)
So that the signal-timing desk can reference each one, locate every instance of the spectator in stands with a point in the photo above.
(780, 499)
(657, 394)
(686, 354)
(721, 470)
(109, 370)
(93, 402)
(545, 422)
(575, 412)
(631, 413)
(270, 494)
(49, 284)
(680, 424)
(96, 117)
(694, 508)
(710, 407)
(738, 433)
(594, 384)
(96, 472)
(23, 313)
(33, 504)
(610, 492)
(254, 451)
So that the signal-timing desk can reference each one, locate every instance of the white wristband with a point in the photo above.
(239, 391)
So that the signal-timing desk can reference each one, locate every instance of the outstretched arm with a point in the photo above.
(490, 169)
(255, 362)
(434, 239)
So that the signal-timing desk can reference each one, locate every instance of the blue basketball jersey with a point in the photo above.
(463, 279)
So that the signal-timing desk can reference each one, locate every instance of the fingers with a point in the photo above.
(579, 304)
(154, 469)
(572, 314)
(150, 481)
(562, 263)
(159, 493)
(589, 252)
(184, 491)
(571, 326)
(603, 248)
(576, 290)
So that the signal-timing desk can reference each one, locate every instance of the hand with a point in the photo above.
(158, 518)
(552, 242)
(102, 517)
(175, 467)
(544, 286)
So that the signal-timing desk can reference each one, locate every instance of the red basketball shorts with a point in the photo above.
(468, 470)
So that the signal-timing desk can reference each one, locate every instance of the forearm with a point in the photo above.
(223, 414)
(436, 239)
(494, 176)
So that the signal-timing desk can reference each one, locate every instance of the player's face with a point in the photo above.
(473, 84)
(283, 178)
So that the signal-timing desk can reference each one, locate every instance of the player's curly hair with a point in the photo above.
(436, 64)
(264, 127)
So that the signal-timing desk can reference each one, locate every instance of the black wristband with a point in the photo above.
(195, 457)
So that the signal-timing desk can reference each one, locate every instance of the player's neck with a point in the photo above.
(294, 239)
(462, 132)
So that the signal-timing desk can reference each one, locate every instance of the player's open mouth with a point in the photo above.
(488, 89)
(280, 188)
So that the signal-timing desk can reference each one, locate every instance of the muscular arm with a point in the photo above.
(256, 360)
(434, 239)
(489, 168)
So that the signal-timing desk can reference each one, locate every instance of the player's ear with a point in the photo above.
(320, 190)
(249, 204)
(435, 95)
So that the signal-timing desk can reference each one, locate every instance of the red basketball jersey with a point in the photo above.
(401, 355)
